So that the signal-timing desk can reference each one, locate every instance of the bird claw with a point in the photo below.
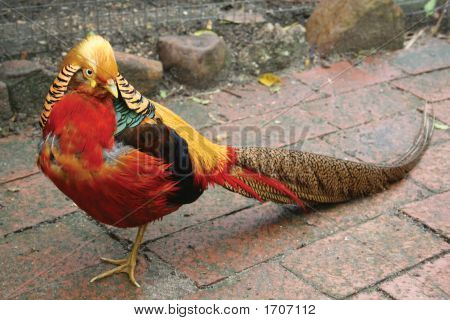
(123, 266)
(127, 265)
(116, 262)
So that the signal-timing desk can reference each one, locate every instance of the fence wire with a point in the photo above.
(35, 26)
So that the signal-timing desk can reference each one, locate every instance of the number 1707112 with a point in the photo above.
(290, 309)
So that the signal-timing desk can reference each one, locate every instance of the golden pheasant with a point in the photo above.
(127, 161)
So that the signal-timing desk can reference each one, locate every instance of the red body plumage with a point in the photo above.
(128, 191)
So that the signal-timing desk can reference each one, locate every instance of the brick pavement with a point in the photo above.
(393, 245)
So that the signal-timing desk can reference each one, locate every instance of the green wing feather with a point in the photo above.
(127, 118)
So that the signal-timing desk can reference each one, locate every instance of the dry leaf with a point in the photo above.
(209, 25)
(429, 7)
(163, 94)
(221, 137)
(440, 126)
(204, 31)
(201, 101)
(307, 62)
(269, 79)
(275, 89)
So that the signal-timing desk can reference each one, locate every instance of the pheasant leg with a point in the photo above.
(127, 265)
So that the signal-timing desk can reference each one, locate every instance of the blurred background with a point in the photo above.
(170, 48)
(37, 26)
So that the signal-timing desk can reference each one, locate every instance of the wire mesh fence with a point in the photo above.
(35, 26)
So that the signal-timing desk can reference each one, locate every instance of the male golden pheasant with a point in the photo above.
(127, 161)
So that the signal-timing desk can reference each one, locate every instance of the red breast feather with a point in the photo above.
(129, 190)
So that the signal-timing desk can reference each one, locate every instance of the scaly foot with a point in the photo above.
(123, 265)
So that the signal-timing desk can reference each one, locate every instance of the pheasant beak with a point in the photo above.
(112, 88)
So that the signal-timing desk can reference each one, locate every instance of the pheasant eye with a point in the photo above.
(88, 72)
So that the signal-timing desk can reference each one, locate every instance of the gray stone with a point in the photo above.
(193, 60)
(28, 83)
(273, 48)
(5, 108)
(144, 74)
(353, 25)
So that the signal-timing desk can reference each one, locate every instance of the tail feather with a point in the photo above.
(288, 176)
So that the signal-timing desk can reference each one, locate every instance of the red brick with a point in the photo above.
(29, 201)
(355, 108)
(77, 286)
(433, 211)
(379, 141)
(216, 249)
(219, 248)
(432, 87)
(18, 157)
(290, 127)
(380, 67)
(434, 54)
(266, 281)
(350, 261)
(194, 113)
(340, 77)
(398, 241)
(223, 201)
(157, 280)
(42, 254)
(293, 92)
(370, 295)
(257, 99)
(429, 281)
(433, 170)
(340, 217)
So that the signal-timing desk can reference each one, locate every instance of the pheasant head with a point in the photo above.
(95, 58)
(91, 68)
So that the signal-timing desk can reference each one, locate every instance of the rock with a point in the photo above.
(273, 48)
(5, 108)
(28, 83)
(353, 25)
(144, 74)
(193, 60)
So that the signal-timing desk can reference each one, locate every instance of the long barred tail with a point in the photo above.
(287, 176)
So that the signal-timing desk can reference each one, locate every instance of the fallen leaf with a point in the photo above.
(203, 31)
(429, 7)
(275, 89)
(221, 136)
(440, 126)
(307, 62)
(269, 79)
(220, 118)
(286, 28)
(163, 94)
(209, 25)
(201, 101)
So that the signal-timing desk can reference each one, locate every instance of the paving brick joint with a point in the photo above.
(393, 245)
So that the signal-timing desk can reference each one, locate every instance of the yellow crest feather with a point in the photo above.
(95, 53)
